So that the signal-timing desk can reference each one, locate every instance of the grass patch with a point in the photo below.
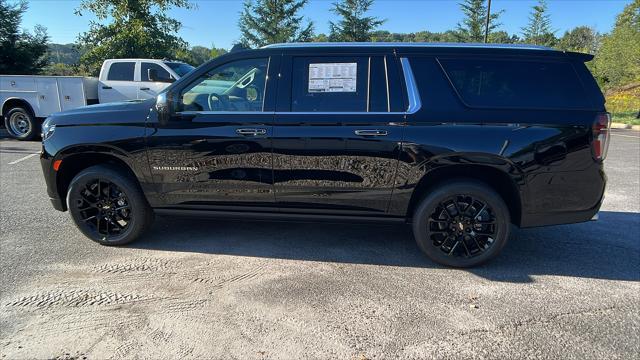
(624, 105)
(627, 117)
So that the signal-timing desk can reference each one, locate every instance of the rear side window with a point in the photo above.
(121, 71)
(144, 71)
(516, 84)
(330, 84)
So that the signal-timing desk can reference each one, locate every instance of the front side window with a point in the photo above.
(121, 71)
(160, 71)
(181, 69)
(235, 86)
(330, 84)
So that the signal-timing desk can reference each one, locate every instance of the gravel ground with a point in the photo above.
(194, 288)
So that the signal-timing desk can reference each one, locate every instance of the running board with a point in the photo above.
(279, 216)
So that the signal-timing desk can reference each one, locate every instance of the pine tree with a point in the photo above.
(539, 31)
(353, 26)
(472, 28)
(20, 51)
(264, 22)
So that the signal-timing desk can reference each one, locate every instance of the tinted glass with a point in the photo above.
(144, 71)
(121, 71)
(235, 86)
(180, 68)
(516, 84)
(329, 84)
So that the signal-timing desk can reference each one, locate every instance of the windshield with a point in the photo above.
(181, 69)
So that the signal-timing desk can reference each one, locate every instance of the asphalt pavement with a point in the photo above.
(194, 288)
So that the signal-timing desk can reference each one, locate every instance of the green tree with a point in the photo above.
(139, 28)
(538, 31)
(215, 52)
(199, 55)
(354, 25)
(20, 51)
(580, 39)
(264, 22)
(503, 37)
(472, 28)
(618, 60)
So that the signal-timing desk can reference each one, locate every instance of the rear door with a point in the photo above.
(337, 133)
(119, 84)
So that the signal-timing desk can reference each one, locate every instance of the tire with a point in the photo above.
(21, 124)
(108, 206)
(461, 236)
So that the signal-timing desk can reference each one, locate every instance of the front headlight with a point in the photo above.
(47, 129)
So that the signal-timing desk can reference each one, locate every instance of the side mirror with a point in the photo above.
(163, 107)
(152, 74)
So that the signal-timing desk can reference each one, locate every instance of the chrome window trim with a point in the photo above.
(415, 103)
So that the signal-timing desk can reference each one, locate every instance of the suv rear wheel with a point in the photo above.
(108, 206)
(461, 224)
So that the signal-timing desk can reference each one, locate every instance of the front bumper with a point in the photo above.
(50, 178)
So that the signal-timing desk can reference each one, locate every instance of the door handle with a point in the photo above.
(371, 132)
(251, 132)
(144, 88)
(107, 87)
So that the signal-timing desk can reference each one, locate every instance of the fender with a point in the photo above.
(16, 99)
(414, 179)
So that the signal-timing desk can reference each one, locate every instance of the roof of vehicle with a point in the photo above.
(407, 44)
(146, 59)
(417, 47)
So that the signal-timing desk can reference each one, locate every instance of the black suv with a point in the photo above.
(460, 140)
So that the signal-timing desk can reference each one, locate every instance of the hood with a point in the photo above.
(116, 113)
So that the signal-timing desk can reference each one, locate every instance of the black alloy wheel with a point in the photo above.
(104, 208)
(108, 206)
(461, 224)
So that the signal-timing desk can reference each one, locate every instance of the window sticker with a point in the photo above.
(332, 77)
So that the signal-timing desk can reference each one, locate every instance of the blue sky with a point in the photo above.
(215, 21)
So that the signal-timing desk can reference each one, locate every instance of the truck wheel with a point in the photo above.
(108, 206)
(461, 224)
(21, 124)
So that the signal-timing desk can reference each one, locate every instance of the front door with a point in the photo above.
(120, 83)
(149, 89)
(337, 134)
(216, 149)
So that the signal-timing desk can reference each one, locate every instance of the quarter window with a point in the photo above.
(121, 71)
(144, 71)
(236, 86)
(516, 84)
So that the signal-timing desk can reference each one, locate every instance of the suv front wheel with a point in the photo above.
(461, 224)
(108, 206)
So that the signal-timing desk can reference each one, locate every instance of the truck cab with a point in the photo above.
(126, 79)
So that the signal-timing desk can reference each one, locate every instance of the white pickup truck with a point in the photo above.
(26, 100)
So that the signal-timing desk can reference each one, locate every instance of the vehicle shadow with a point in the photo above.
(606, 249)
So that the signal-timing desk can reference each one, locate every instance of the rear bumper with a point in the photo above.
(558, 218)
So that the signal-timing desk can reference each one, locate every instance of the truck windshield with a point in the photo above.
(181, 69)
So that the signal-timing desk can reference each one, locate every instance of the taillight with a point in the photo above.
(600, 143)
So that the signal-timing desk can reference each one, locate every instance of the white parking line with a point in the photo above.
(24, 158)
